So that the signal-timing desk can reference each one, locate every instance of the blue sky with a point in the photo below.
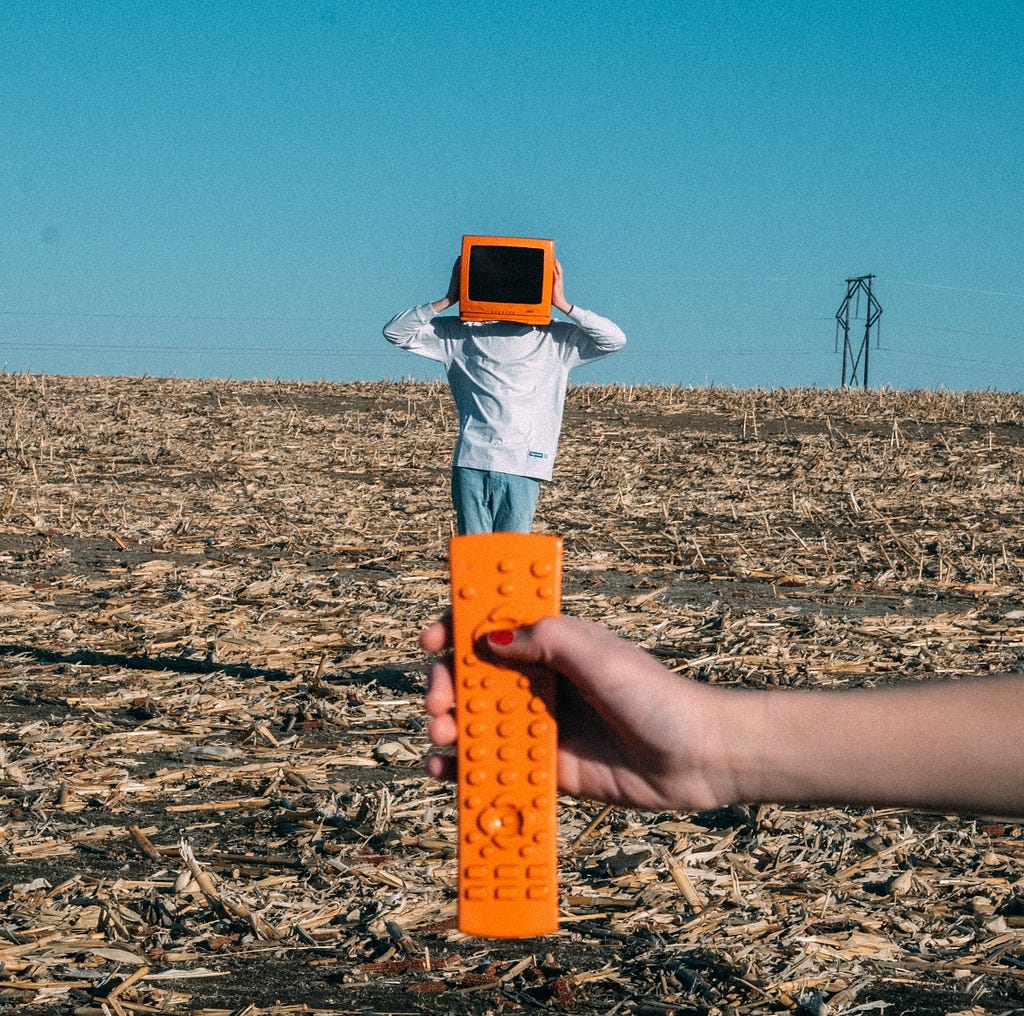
(251, 190)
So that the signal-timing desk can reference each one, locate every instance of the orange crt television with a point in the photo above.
(506, 278)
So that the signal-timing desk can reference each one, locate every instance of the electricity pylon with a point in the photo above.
(872, 312)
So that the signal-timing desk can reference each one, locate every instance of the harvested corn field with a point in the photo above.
(210, 724)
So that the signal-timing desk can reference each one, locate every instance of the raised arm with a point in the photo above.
(418, 330)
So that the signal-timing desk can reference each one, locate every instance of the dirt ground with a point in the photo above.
(210, 726)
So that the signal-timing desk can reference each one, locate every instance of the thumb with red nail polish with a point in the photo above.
(503, 637)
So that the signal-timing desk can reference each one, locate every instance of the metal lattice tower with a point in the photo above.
(872, 312)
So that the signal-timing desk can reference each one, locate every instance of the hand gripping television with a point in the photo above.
(506, 278)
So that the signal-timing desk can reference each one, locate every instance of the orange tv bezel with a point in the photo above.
(493, 310)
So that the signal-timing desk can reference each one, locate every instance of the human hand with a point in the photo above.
(630, 732)
(454, 284)
(558, 299)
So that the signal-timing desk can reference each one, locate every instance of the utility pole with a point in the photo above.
(873, 311)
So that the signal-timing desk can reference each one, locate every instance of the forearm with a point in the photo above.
(603, 334)
(631, 732)
(942, 744)
(406, 328)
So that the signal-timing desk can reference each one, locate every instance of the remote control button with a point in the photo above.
(502, 820)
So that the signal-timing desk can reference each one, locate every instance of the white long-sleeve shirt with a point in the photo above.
(508, 380)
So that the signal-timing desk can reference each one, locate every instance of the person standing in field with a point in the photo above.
(508, 381)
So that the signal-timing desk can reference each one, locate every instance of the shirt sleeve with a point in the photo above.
(420, 331)
(591, 337)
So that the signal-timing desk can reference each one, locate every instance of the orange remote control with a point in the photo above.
(508, 740)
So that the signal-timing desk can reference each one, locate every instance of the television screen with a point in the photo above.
(506, 274)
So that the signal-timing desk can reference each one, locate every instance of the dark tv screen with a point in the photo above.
(506, 274)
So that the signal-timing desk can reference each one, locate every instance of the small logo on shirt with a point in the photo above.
(538, 455)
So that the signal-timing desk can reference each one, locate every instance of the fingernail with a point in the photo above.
(500, 638)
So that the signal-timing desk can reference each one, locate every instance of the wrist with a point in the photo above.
(740, 744)
(712, 765)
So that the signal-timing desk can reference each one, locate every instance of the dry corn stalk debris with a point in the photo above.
(210, 727)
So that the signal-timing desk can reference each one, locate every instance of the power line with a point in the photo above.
(94, 347)
(954, 289)
(957, 331)
(385, 352)
(133, 316)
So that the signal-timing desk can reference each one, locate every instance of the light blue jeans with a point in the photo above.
(487, 502)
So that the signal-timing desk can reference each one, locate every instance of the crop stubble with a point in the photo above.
(211, 731)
